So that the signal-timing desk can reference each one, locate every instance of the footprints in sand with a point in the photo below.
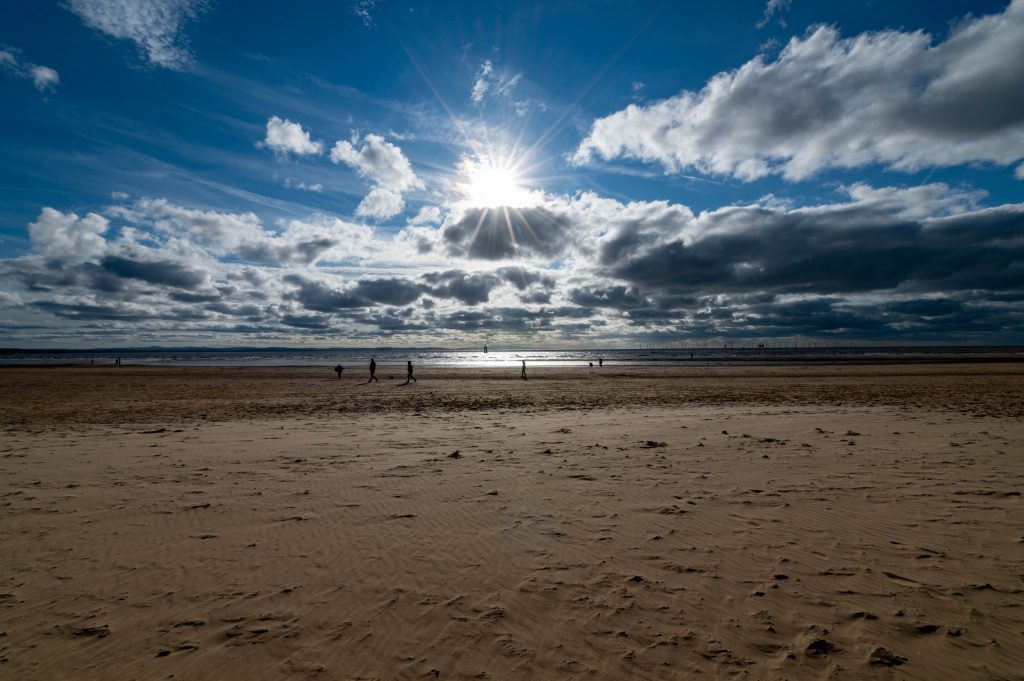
(597, 544)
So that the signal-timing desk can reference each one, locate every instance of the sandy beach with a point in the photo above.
(736, 522)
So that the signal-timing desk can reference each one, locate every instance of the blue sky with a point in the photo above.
(526, 174)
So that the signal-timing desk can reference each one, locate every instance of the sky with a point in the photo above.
(371, 173)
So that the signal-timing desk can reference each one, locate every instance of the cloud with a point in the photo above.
(491, 83)
(887, 263)
(773, 8)
(390, 291)
(470, 289)
(64, 235)
(384, 164)
(504, 233)
(284, 137)
(364, 10)
(482, 83)
(331, 296)
(878, 242)
(292, 183)
(428, 215)
(522, 278)
(162, 273)
(155, 26)
(222, 234)
(380, 203)
(889, 97)
(44, 78)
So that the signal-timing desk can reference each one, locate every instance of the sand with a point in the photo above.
(755, 523)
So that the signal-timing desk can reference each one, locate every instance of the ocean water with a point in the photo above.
(496, 358)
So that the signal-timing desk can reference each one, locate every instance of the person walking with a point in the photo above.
(408, 373)
(338, 369)
(373, 371)
(523, 373)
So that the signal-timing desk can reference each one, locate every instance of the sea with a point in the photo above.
(507, 358)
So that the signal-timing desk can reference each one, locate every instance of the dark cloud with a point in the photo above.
(470, 289)
(388, 291)
(90, 311)
(310, 322)
(522, 278)
(536, 298)
(319, 297)
(842, 251)
(183, 297)
(618, 297)
(300, 252)
(161, 273)
(504, 233)
(249, 310)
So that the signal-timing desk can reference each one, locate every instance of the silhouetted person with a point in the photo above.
(373, 370)
(591, 365)
(523, 374)
(600, 362)
(408, 373)
(338, 369)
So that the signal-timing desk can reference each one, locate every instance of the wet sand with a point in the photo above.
(738, 522)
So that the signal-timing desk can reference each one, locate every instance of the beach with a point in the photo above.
(768, 522)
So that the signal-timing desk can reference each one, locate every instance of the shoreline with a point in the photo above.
(84, 396)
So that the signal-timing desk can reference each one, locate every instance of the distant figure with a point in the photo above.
(600, 362)
(338, 369)
(408, 373)
(373, 371)
(691, 355)
(485, 349)
(523, 374)
(591, 365)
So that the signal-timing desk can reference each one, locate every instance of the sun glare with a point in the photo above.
(492, 185)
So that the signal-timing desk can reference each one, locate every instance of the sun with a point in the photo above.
(490, 184)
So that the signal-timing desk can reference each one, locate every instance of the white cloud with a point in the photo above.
(219, 233)
(1019, 172)
(43, 77)
(285, 137)
(155, 26)
(352, 239)
(65, 235)
(428, 215)
(386, 166)
(774, 7)
(292, 183)
(380, 203)
(482, 83)
(887, 97)
(490, 83)
(364, 10)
